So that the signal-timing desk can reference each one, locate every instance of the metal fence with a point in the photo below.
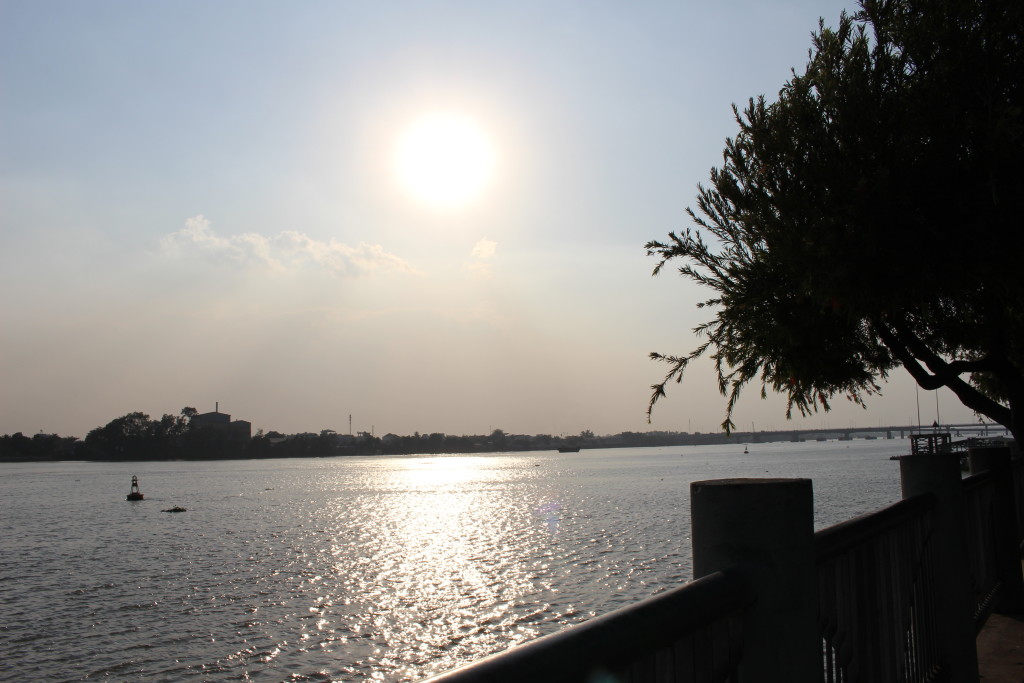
(1017, 476)
(979, 533)
(876, 595)
(879, 604)
(876, 615)
(691, 633)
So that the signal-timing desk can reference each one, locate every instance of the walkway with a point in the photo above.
(1001, 649)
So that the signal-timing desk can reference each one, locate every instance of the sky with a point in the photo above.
(204, 204)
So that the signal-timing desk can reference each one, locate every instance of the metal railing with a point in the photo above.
(690, 633)
(878, 605)
(876, 595)
(979, 533)
(1017, 476)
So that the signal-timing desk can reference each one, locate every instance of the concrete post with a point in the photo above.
(766, 528)
(939, 474)
(1004, 518)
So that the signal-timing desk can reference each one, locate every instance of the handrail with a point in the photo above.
(976, 480)
(620, 638)
(980, 537)
(842, 537)
(880, 616)
(876, 595)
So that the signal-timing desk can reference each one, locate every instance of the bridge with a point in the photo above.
(984, 429)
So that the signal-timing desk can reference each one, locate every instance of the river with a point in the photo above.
(385, 568)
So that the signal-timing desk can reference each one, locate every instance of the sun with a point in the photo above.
(445, 159)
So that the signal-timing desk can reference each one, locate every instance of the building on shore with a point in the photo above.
(240, 430)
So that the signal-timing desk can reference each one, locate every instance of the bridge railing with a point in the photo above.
(690, 633)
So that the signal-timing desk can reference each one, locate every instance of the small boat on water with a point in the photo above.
(135, 493)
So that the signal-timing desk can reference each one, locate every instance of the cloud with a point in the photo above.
(484, 249)
(289, 249)
(481, 254)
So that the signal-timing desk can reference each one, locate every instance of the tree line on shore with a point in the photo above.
(136, 436)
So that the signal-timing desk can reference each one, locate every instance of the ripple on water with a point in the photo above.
(350, 568)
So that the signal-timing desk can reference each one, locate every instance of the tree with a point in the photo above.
(136, 436)
(868, 218)
(18, 447)
(498, 439)
(123, 437)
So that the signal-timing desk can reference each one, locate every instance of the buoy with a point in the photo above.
(135, 493)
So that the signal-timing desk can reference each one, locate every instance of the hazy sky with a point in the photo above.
(199, 202)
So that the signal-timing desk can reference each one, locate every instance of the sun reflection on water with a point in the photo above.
(441, 573)
(356, 569)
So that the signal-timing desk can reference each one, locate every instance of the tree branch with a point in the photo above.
(907, 348)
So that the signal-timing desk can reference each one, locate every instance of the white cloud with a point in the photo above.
(289, 249)
(481, 254)
(484, 249)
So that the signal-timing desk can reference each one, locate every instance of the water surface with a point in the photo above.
(342, 569)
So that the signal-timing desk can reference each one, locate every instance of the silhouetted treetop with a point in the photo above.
(868, 218)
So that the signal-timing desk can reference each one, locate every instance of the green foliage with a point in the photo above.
(867, 219)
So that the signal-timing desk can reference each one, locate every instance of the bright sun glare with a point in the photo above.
(445, 160)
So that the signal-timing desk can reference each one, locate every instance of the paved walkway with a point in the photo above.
(1001, 649)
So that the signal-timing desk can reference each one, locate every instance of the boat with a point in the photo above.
(135, 493)
(568, 449)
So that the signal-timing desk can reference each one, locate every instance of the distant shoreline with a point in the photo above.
(327, 444)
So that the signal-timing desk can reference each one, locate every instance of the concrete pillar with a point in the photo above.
(1004, 517)
(939, 474)
(765, 527)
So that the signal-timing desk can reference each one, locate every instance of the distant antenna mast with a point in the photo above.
(216, 406)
